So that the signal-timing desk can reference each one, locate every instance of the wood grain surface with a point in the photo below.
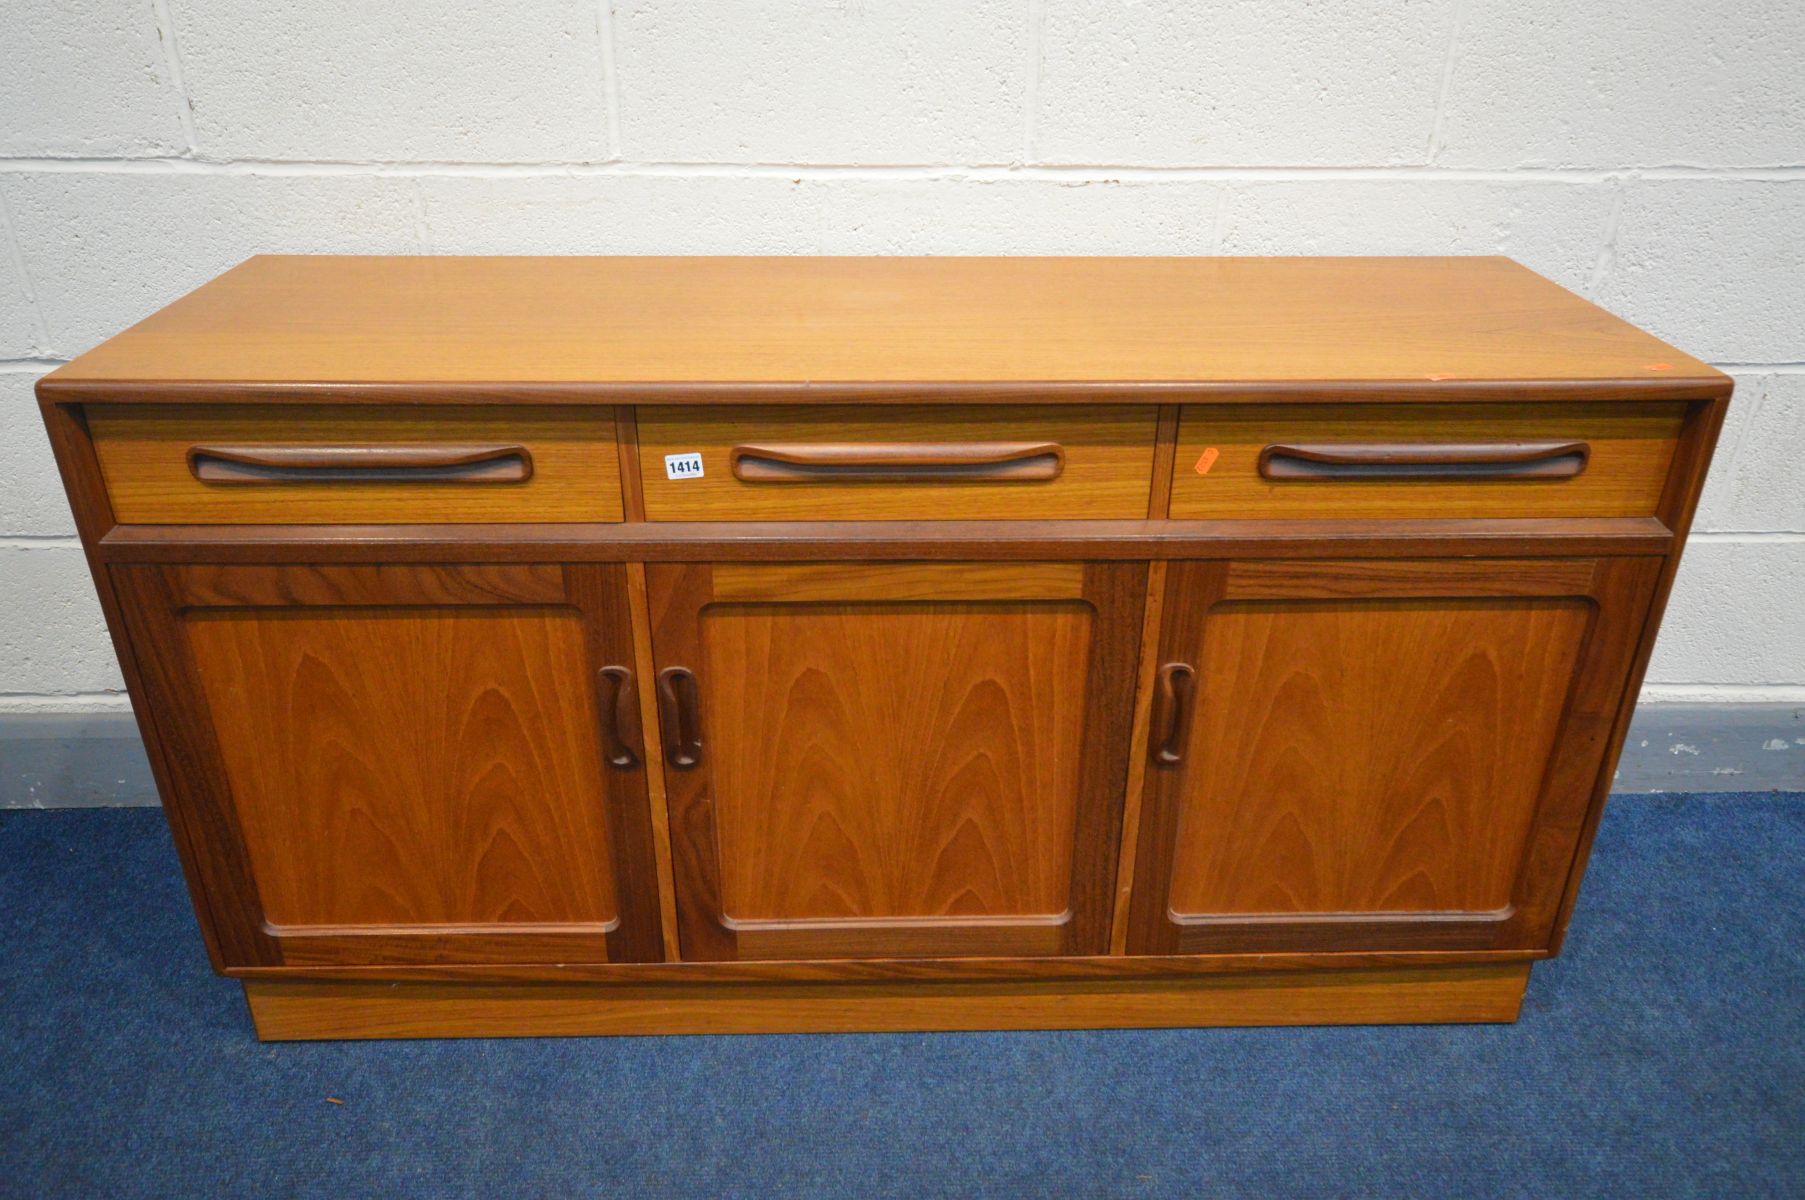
(144, 451)
(1382, 754)
(905, 777)
(351, 322)
(1679, 504)
(401, 764)
(1146, 671)
(1217, 473)
(890, 970)
(304, 1011)
(786, 584)
(1107, 471)
(1370, 757)
(434, 766)
(896, 760)
(887, 541)
(374, 708)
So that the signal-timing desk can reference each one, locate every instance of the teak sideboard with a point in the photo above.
(635, 645)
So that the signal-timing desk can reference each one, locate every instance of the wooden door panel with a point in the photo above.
(1384, 755)
(405, 763)
(1374, 797)
(390, 766)
(910, 759)
(855, 776)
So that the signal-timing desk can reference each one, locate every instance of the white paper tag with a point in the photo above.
(683, 466)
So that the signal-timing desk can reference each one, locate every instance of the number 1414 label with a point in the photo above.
(683, 466)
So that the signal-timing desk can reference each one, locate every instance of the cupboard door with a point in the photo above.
(402, 764)
(895, 760)
(1377, 755)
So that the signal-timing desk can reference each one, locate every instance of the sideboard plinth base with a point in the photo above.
(295, 1011)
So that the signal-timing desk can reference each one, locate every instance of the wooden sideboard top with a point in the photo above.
(959, 326)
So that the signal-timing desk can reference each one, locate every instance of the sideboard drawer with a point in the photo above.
(850, 462)
(1314, 461)
(264, 465)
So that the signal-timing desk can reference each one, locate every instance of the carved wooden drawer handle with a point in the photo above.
(1448, 462)
(899, 462)
(1172, 712)
(361, 464)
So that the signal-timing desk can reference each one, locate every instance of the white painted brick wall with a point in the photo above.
(519, 80)
(1252, 83)
(1736, 619)
(85, 78)
(1649, 83)
(31, 494)
(21, 333)
(105, 248)
(1554, 228)
(60, 647)
(1756, 483)
(620, 214)
(1017, 216)
(808, 81)
(1715, 265)
(1651, 156)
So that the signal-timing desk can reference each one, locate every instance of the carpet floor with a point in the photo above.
(1662, 1055)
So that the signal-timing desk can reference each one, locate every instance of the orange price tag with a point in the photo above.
(1207, 459)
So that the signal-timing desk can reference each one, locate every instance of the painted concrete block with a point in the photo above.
(1021, 216)
(1249, 84)
(1555, 228)
(83, 80)
(348, 79)
(1716, 266)
(31, 493)
(20, 334)
(1655, 83)
(815, 81)
(1757, 480)
(107, 249)
(620, 214)
(52, 638)
(1735, 615)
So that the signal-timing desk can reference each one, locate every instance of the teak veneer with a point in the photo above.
(605, 646)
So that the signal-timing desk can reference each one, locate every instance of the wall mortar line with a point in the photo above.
(1722, 693)
(422, 229)
(1606, 262)
(1445, 86)
(73, 703)
(604, 32)
(1067, 172)
(1037, 27)
(15, 250)
(172, 60)
(47, 541)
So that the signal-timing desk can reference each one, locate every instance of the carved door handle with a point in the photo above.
(1172, 711)
(620, 720)
(680, 717)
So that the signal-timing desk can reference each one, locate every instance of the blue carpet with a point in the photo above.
(1660, 1056)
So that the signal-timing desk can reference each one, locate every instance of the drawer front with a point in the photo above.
(1309, 461)
(200, 465)
(850, 463)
